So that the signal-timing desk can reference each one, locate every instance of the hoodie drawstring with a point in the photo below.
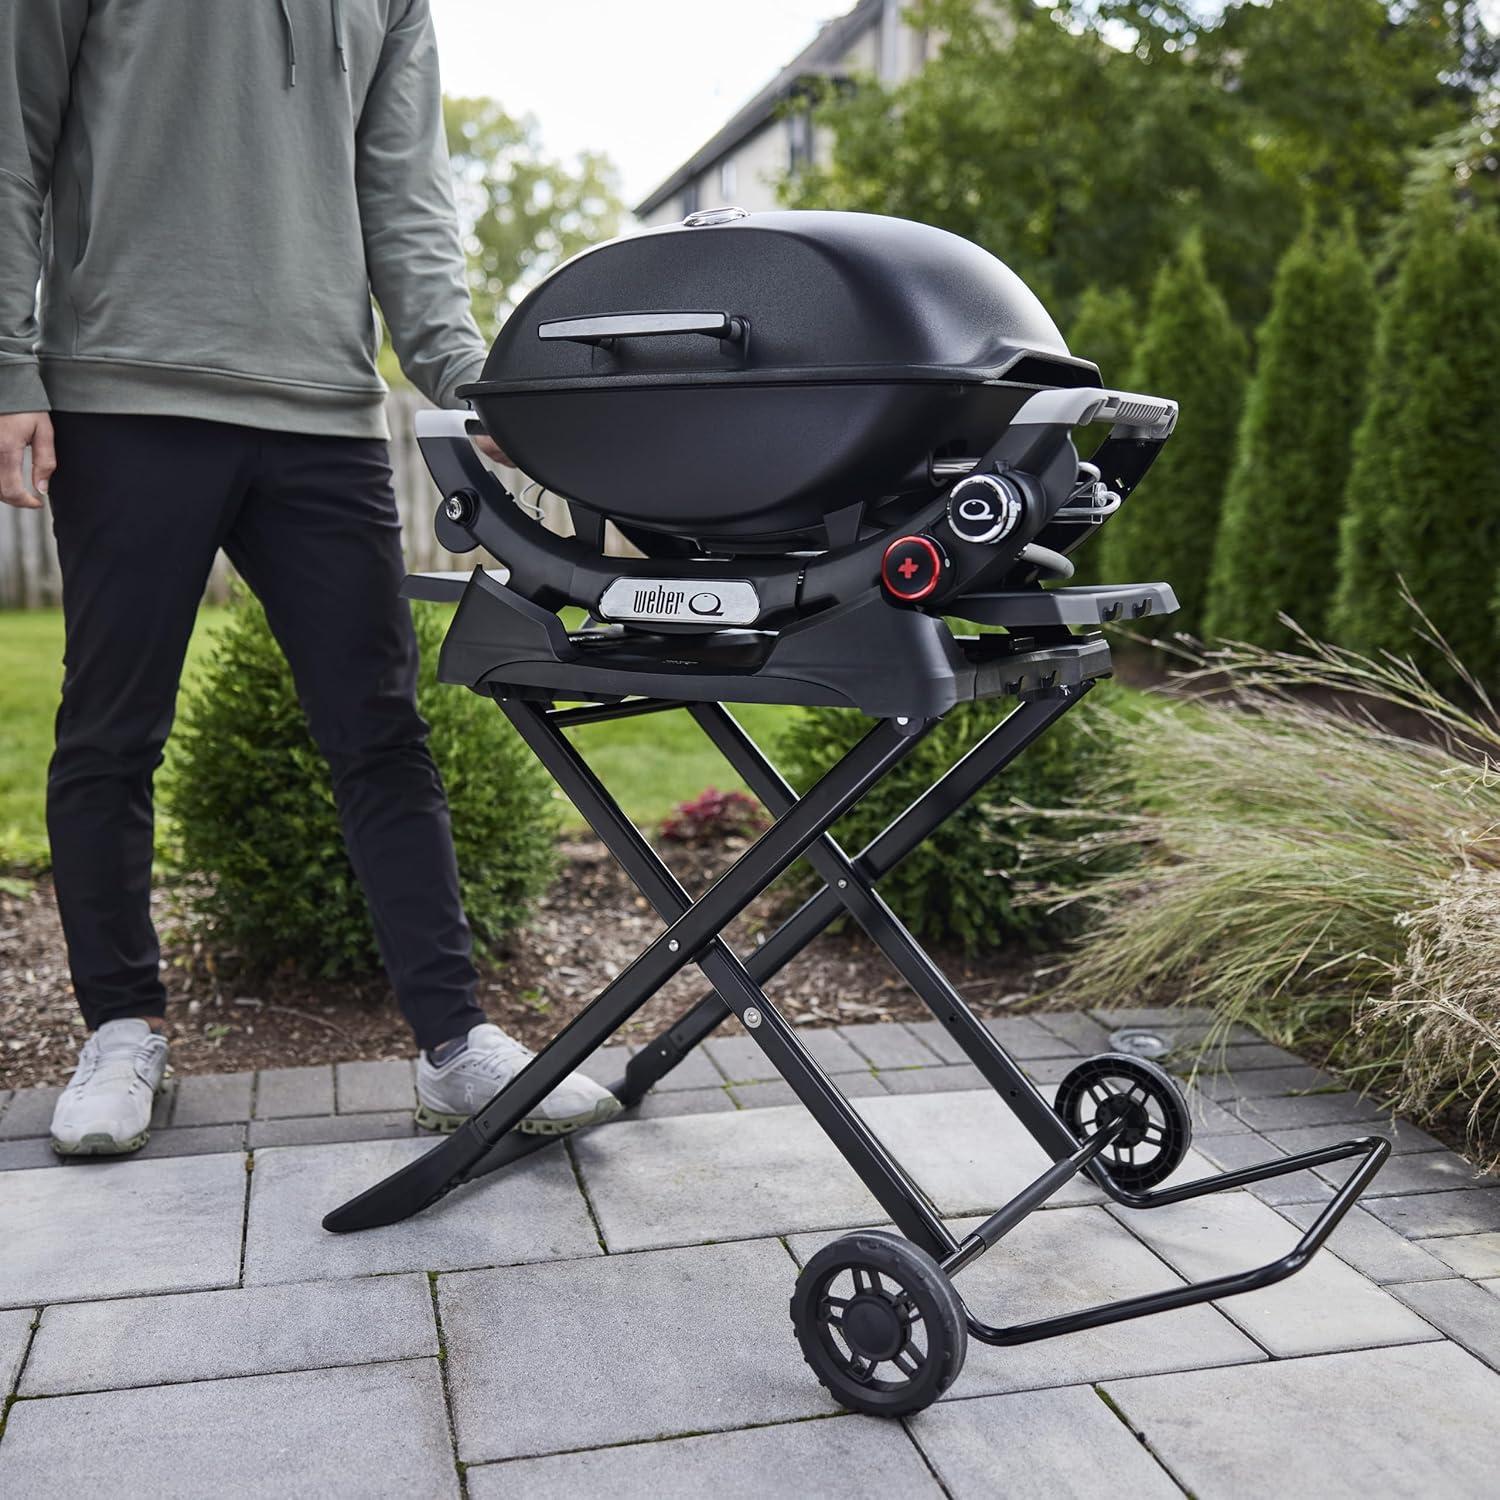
(337, 9)
(291, 45)
(336, 15)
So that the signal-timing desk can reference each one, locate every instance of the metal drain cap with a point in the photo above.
(1135, 1041)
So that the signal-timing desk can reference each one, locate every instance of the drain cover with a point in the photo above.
(1139, 1043)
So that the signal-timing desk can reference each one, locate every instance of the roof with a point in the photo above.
(817, 59)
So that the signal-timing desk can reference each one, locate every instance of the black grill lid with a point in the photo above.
(790, 296)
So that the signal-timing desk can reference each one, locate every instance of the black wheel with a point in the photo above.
(1158, 1128)
(880, 1324)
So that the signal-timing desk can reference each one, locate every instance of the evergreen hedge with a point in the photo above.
(1278, 542)
(1104, 330)
(256, 833)
(1191, 351)
(1422, 497)
(954, 888)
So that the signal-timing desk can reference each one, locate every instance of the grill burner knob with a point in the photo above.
(912, 568)
(985, 508)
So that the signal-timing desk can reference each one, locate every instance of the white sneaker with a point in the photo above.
(106, 1108)
(448, 1095)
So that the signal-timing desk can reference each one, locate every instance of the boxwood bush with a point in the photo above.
(255, 833)
(956, 888)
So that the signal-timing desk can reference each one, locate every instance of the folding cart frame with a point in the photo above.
(1049, 672)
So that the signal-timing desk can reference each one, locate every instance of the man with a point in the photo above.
(209, 195)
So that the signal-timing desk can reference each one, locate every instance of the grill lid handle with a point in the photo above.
(603, 329)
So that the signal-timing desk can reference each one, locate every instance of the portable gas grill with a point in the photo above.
(830, 437)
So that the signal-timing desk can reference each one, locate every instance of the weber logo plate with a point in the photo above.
(682, 601)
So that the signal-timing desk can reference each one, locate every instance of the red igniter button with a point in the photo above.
(912, 568)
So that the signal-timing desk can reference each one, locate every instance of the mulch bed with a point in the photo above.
(590, 925)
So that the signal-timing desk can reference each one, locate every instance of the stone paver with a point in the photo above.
(830, 1051)
(779, 1092)
(90, 1346)
(939, 1039)
(282, 1092)
(607, 1065)
(1467, 1313)
(213, 1099)
(1026, 1039)
(1264, 1083)
(33, 1151)
(1418, 1420)
(686, 1102)
(1325, 1306)
(1082, 1031)
(1239, 1057)
(193, 1140)
(841, 1458)
(367, 1087)
(111, 1229)
(29, 1113)
(1208, 1117)
(1462, 1211)
(1293, 1110)
(717, 1177)
(1231, 1152)
(959, 1078)
(1403, 1136)
(1060, 1261)
(1419, 1172)
(1065, 1444)
(738, 1059)
(694, 1340)
(322, 1130)
(374, 1430)
(889, 1046)
(1473, 1255)
(531, 1211)
(1372, 1248)
(15, 1333)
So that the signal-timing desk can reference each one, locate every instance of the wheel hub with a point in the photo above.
(1132, 1112)
(875, 1327)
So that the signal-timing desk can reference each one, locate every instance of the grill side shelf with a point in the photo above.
(1097, 604)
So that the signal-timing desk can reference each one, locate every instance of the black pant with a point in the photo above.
(140, 505)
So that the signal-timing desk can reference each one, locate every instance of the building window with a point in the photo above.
(690, 196)
(729, 181)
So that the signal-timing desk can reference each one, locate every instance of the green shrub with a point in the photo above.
(1421, 502)
(1192, 352)
(955, 888)
(257, 834)
(1104, 330)
(1302, 867)
(1277, 549)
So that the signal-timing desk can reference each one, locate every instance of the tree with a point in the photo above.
(1192, 352)
(1082, 139)
(522, 212)
(1421, 504)
(1277, 548)
(1105, 330)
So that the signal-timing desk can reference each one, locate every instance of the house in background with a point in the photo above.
(770, 136)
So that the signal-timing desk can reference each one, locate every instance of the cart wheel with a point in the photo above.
(880, 1324)
(1157, 1129)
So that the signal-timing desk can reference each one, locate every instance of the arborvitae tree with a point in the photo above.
(1191, 351)
(1278, 541)
(1105, 330)
(1421, 502)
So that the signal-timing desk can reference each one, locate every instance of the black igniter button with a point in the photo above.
(985, 508)
(912, 568)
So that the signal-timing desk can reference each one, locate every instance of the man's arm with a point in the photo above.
(38, 44)
(412, 248)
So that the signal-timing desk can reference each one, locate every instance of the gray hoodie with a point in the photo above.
(210, 191)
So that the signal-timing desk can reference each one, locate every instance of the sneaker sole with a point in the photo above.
(605, 1109)
(101, 1145)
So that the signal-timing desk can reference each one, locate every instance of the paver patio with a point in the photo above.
(611, 1316)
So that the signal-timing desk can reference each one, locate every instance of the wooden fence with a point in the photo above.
(29, 577)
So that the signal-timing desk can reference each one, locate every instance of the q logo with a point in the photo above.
(706, 604)
(984, 508)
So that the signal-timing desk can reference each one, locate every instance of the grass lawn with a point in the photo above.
(650, 763)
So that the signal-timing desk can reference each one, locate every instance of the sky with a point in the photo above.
(647, 81)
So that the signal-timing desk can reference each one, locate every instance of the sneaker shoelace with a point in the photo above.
(495, 1062)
